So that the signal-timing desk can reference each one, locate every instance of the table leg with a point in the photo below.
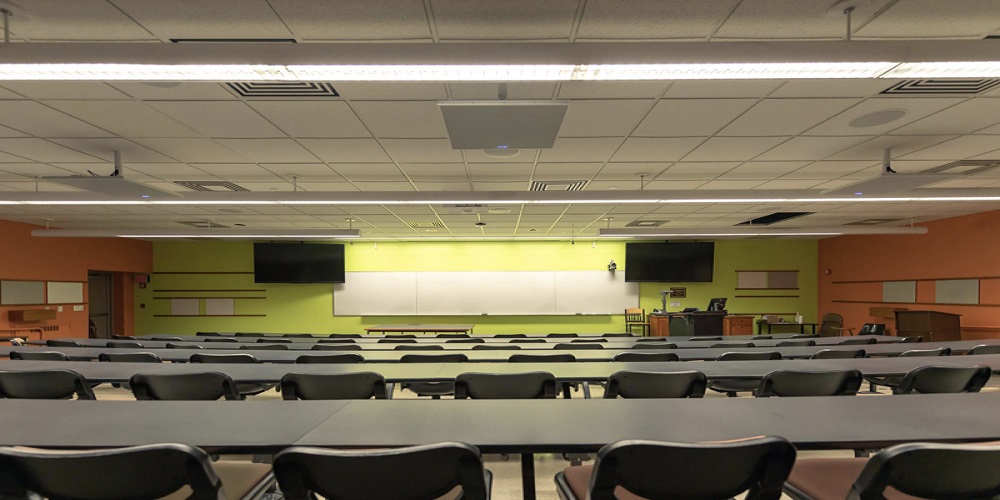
(813, 328)
(528, 475)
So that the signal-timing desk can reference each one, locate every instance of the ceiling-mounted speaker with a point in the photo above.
(503, 124)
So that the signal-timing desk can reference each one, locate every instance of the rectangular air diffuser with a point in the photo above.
(503, 124)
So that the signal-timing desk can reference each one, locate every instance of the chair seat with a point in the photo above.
(431, 388)
(829, 479)
(239, 480)
(578, 480)
(734, 385)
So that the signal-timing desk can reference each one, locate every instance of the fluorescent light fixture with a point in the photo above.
(752, 231)
(971, 69)
(221, 232)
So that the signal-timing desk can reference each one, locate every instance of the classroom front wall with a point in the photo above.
(853, 270)
(27, 258)
(225, 269)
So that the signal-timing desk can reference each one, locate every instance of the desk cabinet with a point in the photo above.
(737, 325)
(659, 326)
(933, 326)
(26, 315)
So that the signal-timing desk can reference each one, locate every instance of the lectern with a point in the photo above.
(933, 326)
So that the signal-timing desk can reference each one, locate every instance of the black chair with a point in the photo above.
(397, 341)
(336, 347)
(148, 471)
(38, 355)
(62, 343)
(796, 343)
(838, 354)
(647, 356)
(129, 357)
(632, 384)
(794, 383)
(859, 341)
(528, 341)
(465, 341)
(893, 381)
(562, 336)
(452, 335)
(165, 337)
(330, 358)
(661, 345)
(911, 340)
(943, 379)
(576, 347)
(298, 335)
(651, 339)
(402, 336)
(724, 345)
(265, 347)
(510, 336)
(409, 347)
(418, 472)
(601, 340)
(766, 337)
(336, 341)
(617, 335)
(245, 388)
(183, 346)
(731, 386)
(202, 386)
(247, 334)
(551, 358)
(124, 337)
(361, 385)
(125, 345)
(527, 385)
(756, 466)
(488, 347)
(230, 340)
(917, 469)
(274, 340)
(345, 336)
(804, 336)
(433, 389)
(44, 384)
(985, 349)
(703, 338)
(208, 334)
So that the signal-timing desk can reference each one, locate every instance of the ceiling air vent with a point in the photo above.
(964, 167)
(201, 223)
(283, 89)
(424, 225)
(558, 185)
(211, 186)
(959, 86)
(872, 222)
(646, 223)
(767, 220)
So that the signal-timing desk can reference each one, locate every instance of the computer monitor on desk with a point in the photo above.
(717, 304)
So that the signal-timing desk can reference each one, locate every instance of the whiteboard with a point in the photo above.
(899, 291)
(956, 291)
(64, 292)
(484, 292)
(22, 292)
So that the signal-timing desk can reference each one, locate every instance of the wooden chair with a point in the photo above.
(636, 318)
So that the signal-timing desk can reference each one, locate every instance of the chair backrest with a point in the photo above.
(829, 325)
(44, 384)
(541, 358)
(434, 358)
(838, 354)
(872, 329)
(803, 336)
(201, 386)
(129, 357)
(768, 337)
(528, 385)
(125, 345)
(298, 335)
(38, 355)
(410, 347)
(265, 347)
(749, 356)
(62, 343)
(705, 338)
(943, 379)
(208, 334)
(858, 341)
(940, 351)
(658, 345)
(731, 344)
(632, 384)
(124, 337)
(230, 340)
(149, 471)
(510, 336)
(561, 347)
(452, 335)
(635, 315)
(336, 341)
(336, 347)
(183, 346)
(796, 343)
(273, 340)
(330, 358)
(528, 341)
(913, 339)
(617, 335)
(397, 341)
(647, 356)
(494, 347)
(794, 383)
(165, 337)
(344, 336)
(931, 471)
(361, 385)
(758, 466)
(585, 341)
(426, 471)
(465, 341)
(985, 349)
(223, 358)
(651, 339)
(562, 335)
(249, 334)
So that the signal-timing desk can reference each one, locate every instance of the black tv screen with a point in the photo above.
(298, 263)
(670, 262)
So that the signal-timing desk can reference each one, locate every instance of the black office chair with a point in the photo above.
(732, 386)
(165, 337)
(411, 347)
(298, 335)
(330, 358)
(562, 336)
(494, 347)
(148, 471)
(433, 389)
(402, 336)
(797, 383)
(336, 341)
(336, 347)
(723, 345)
(38, 355)
(229, 340)
(465, 341)
(345, 336)
(920, 470)
(755, 466)
(911, 339)
(418, 472)
(651, 339)
(872, 329)
(125, 345)
(62, 343)
(249, 334)
(208, 334)
(633, 384)
(361, 385)
(528, 341)
(584, 341)
(452, 335)
(245, 388)
(661, 345)
(510, 336)
(796, 343)
(576, 347)
(129, 357)
(124, 337)
(943, 379)
(44, 384)
(984, 349)
(183, 346)
(397, 341)
(647, 356)
(265, 347)
(527, 385)
(201, 386)
(606, 335)
(803, 336)
(767, 337)
(893, 381)
(838, 354)
(549, 358)
(703, 338)
(859, 341)
(273, 340)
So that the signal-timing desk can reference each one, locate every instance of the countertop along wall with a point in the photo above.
(225, 269)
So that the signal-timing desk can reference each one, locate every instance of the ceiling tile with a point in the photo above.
(369, 172)
(64, 20)
(733, 148)
(346, 150)
(65, 90)
(785, 116)
(721, 89)
(326, 186)
(441, 186)
(174, 91)
(333, 119)
(346, 20)
(401, 119)
(603, 118)
(197, 19)
(691, 117)
(900, 145)
(656, 149)
(495, 186)
(611, 90)
(173, 172)
(631, 171)
(105, 148)
(218, 118)
(957, 149)
(809, 148)
(489, 91)
(193, 150)
(581, 150)
(510, 20)
(124, 118)
(705, 170)
(776, 19)
(382, 185)
(500, 171)
(828, 169)
(391, 91)
(915, 107)
(790, 184)
(652, 19)
(435, 172)
(42, 151)
(238, 172)
(963, 118)
(850, 87)
(421, 150)
(566, 171)
(269, 150)
(41, 121)
(672, 185)
(30, 170)
(763, 169)
(935, 19)
(305, 172)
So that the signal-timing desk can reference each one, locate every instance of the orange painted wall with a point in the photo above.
(24, 257)
(955, 248)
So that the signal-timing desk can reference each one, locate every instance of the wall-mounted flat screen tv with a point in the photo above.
(298, 263)
(670, 262)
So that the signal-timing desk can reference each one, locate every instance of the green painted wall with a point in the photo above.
(309, 308)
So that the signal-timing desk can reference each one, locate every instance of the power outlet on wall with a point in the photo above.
(77, 308)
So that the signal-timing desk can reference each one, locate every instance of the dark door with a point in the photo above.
(99, 298)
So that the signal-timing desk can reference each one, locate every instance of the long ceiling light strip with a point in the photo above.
(751, 231)
(210, 232)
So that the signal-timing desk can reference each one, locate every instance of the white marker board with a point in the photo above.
(15, 293)
(393, 294)
(64, 292)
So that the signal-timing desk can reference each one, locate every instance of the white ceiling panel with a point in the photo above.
(305, 172)
(477, 156)
(509, 20)
(776, 19)
(691, 117)
(500, 171)
(656, 149)
(326, 186)
(611, 90)
(603, 118)
(349, 20)
(721, 89)
(672, 184)
(384, 186)
(421, 150)
(499, 186)
(631, 171)
(269, 150)
(821, 170)
(174, 91)
(196, 18)
(218, 119)
(43, 151)
(65, 90)
(763, 169)
(488, 91)
(900, 146)
(652, 19)
(935, 19)
(333, 119)
(957, 149)
(9, 132)
(581, 150)
(369, 172)
(790, 184)
(785, 116)
(860, 87)
(238, 172)
(401, 119)
(391, 91)
(105, 148)
(193, 150)
(566, 171)
(963, 118)
(733, 148)
(41, 121)
(705, 171)
(809, 148)
(915, 107)
(173, 172)
(62, 20)
(442, 186)
(31, 170)
(124, 118)
(731, 184)
(346, 150)
(434, 172)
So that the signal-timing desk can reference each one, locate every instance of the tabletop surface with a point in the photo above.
(420, 328)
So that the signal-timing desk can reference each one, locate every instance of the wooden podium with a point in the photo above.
(933, 326)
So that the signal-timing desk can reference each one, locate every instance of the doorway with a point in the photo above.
(99, 292)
